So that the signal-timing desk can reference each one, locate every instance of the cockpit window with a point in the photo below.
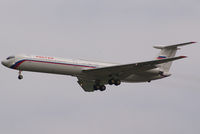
(10, 57)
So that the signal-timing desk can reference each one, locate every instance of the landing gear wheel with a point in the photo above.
(20, 77)
(102, 88)
(111, 82)
(96, 87)
(117, 82)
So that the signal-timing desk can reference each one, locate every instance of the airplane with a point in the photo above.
(93, 76)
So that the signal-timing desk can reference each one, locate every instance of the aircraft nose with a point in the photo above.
(4, 62)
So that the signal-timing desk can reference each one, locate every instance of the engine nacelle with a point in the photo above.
(164, 74)
(159, 72)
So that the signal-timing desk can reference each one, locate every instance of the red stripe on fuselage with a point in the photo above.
(159, 58)
(66, 64)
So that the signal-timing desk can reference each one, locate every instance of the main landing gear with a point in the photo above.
(20, 76)
(100, 87)
(116, 82)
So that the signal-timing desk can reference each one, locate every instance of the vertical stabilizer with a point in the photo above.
(168, 52)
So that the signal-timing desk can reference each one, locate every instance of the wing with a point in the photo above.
(123, 71)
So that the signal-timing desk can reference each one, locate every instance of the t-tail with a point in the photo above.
(168, 52)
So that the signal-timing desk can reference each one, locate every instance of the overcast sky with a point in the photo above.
(121, 31)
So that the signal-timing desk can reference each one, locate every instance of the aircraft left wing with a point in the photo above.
(123, 71)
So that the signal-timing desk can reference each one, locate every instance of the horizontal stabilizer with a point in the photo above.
(174, 46)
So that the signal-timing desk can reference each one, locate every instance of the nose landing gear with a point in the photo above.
(20, 76)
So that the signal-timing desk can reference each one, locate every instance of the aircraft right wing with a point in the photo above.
(121, 71)
(127, 69)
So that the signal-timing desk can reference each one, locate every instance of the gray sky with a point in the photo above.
(106, 30)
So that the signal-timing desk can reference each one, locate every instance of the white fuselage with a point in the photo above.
(93, 76)
(69, 67)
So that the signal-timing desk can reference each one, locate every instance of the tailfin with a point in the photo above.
(168, 52)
